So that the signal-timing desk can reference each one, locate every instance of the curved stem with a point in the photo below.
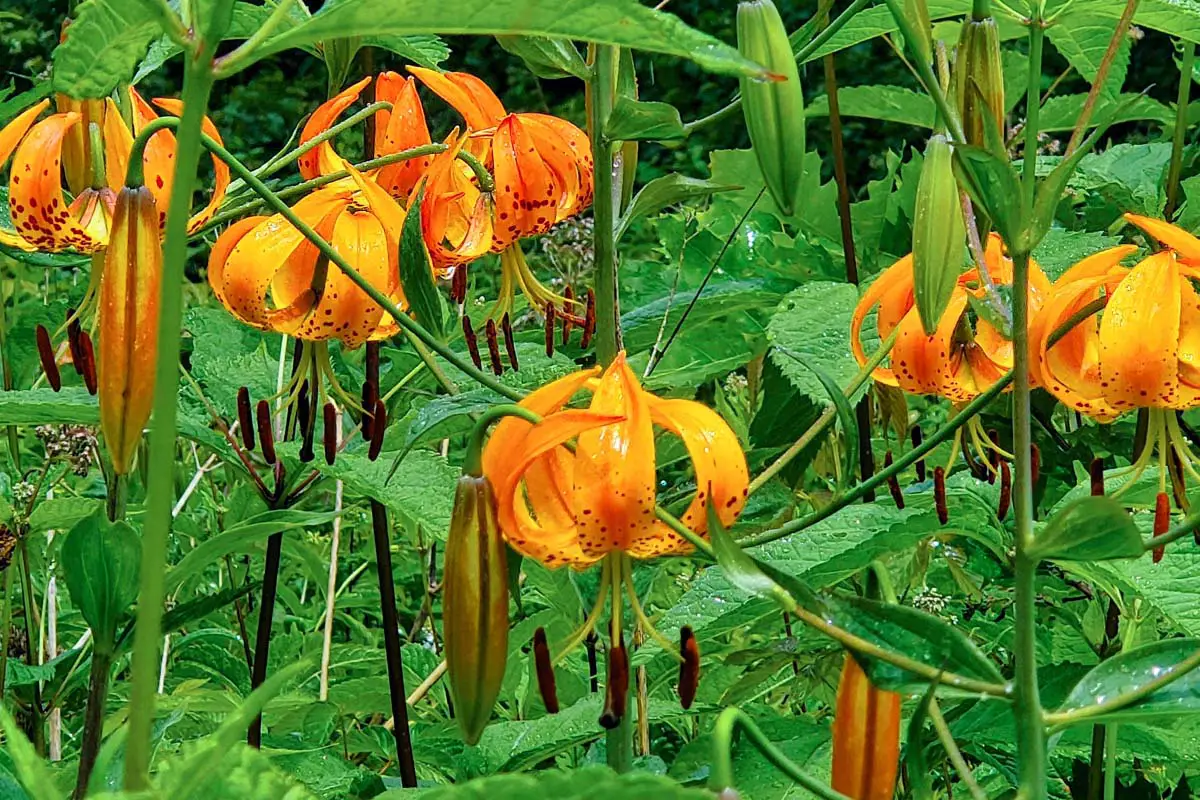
(728, 724)
(951, 748)
(230, 64)
(134, 175)
(472, 462)
(1126, 699)
(280, 161)
(1180, 134)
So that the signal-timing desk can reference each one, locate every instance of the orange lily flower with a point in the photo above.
(561, 507)
(270, 277)
(42, 215)
(866, 737)
(1141, 351)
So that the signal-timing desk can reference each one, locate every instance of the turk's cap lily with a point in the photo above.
(961, 359)
(562, 507)
(1143, 349)
(269, 276)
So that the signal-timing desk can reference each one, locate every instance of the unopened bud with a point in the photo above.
(866, 736)
(544, 668)
(46, 356)
(689, 667)
(939, 495)
(939, 234)
(979, 83)
(774, 108)
(1162, 521)
(475, 597)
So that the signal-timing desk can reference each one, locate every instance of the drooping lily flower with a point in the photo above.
(565, 506)
(542, 167)
(964, 357)
(43, 216)
(1141, 351)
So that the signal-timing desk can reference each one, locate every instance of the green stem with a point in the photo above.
(473, 459)
(951, 747)
(1185, 528)
(1110, 762)
(230, 64)
(14, 439)
(36, 730)
(618, 741)
(160, 491)
(1126, 699)
(726, 728)
(5, 630)
(1180, 137)
(600, 89)
(1037, 35)
(981, 10)
(93, 720)
(282, 160)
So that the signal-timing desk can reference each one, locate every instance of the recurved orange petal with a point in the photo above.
(323, 159)
(1139, 335)
(892, 292)
(174, 107)
(1171, 236)
(468, 95)
(403, 128)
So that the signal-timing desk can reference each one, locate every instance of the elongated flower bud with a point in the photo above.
(979, 83)
(939, 234)
(475, 605)
(774, 109)
(129, 323)
(866, 737)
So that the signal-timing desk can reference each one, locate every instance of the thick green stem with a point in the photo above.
(1037, 35)
(608, 327)
(473, 460)
(725, 730)
(93, 720)
(981, 9)
(197, 86)
(1181, 121)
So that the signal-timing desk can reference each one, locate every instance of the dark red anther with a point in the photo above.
(245, 418)
(88, 367)
(1096, 473)
(544, 668)
(329, 432)
(458, 284)
(939, 495)
(472, 342)
(1035, 464)
(1162, 521)
(510, 344)
(307, 421)
(569, 294)
(689, 667)
(46, 356)
(616, 693)
(370, 393)
(893, 484)
(378, 428)
(589, 321)
(917, 438)
(493, 344)
(75, 341)
(1005, 491)
(1112, 621)
(549, 329)
(1178, 484)
(266, 434)
(371, 362)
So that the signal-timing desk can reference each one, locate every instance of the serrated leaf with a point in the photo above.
(885, 103)
(845, 415)
(104, 44)
(419, 494)
(1089, 529)
(73, 405)
(813, 322)
(616, 22)
(582, 783)
(547, 57)
(1060, 112)
(640, 120)
(1131, 670)
(664, 191)
(1081, 36)
(61, 513)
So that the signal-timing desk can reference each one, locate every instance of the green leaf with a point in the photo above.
(845, 415)
(547, 57)
(1061, 249)
(742, 570)
(416, 272)
(104, 44)
(625, 23)
(73, 405)
(1082, 36)
(100, 567)
(639, 120)
(1089, 529)
(1133, 669)
(18, 673)
(885, 103)
(581, 783)
(993, 186)
(246, 536)
(61, 513)
(667, 190)
(31, 770)
(916, 765)
(1060, 113)
(419, 494)
(813, 322)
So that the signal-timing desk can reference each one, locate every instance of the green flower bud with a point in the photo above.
(475, 605)
(979, 83)
(939, 234)
(774, 109)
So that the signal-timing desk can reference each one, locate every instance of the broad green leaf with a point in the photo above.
(580, 783)
(247, 773)
(104, 44)
(886, 103)
(246, 536)
(419, 494)
(72, 405)
(1061, 249)
(1081, 36)
(546, 57)
(1060, 112)
(1134, 669)
(639, 120)
(615, 22)
(1089, 529)
(18, 673)
(993, 186)
(31, 770)
(664, 191)
(61, 513)
(814, 323)
(100, 567)
(845, 415)
(416, 271)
